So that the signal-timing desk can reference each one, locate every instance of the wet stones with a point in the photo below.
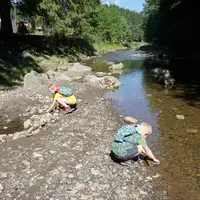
(181, 117)
(130, 120)
(116, 66)
(164, 76)
(191, 130)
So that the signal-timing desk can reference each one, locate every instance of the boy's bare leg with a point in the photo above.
(64, 102)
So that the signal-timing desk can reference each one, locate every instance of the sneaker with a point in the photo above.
(68, 110)
(130, 163)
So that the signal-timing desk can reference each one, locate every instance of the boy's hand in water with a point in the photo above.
(156, 161)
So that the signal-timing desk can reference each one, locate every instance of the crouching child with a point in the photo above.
(130, 142)
(63, 98)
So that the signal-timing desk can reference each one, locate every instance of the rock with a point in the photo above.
(77, 67)
(64, 77)
(40, 120)
(25, 162)
(77, 78)
(143, 192)
(28, 109)
(117, 71)
(71, 176)
(5, 127)
(51, 74)
(33, 110)
(27, 55)
(17, 135)
(3, 175)
(32, 80)
(157, 175)
(78, 166)
(117, 66)
(1, 187)
(86, 197)
(100, 74)
(12, 190)
(191, 130)
(62, 68)
(36, 131)
(148, 178)
(92, 79)
(131, 120)
(79, 186)
(109, 82)
(27, 124)
(180, 116)
(95, 172)
(36, 155)
(109, 62)
(2, 137)
(53, 152)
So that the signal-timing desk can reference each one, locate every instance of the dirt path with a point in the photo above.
(69, 157)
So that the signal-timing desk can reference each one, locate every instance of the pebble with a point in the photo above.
(180, 116)
(71, 176)
(1, 187)
(79, 186)
(36, 155)
(86, 197)
(78, 166)
(130, 120)
(3, 175)
(157, 175)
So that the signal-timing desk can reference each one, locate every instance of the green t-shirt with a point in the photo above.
(120, 148)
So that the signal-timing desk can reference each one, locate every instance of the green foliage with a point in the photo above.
(83, 18)
(134, 20)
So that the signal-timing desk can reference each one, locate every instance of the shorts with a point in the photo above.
(130, 154)
(68, 100)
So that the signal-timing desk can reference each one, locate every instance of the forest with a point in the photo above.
(90, 20)
(169, 24)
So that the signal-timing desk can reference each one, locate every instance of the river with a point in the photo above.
(174, 141)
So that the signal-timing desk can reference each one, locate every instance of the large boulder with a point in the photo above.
(32, 79)
(64, 77)
(92, 79)
(109, 82)
(78, 69)
(117, 66)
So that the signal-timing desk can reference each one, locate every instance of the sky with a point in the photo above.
(136, 5)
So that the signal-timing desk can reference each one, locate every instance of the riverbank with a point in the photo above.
(21, 54)
(68, 156)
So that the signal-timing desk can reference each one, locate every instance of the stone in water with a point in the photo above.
(131, 120)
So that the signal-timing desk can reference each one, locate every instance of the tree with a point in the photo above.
(6, 25)
(173, 24)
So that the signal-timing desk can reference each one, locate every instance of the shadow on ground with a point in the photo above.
(17, 54)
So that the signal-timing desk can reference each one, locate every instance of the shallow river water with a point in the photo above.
(175, 142)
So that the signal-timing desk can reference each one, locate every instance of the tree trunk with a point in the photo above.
(6, 25)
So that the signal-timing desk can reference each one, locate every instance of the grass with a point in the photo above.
(107, 47)
(20, 54)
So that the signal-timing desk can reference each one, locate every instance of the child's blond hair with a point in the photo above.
(147, 126)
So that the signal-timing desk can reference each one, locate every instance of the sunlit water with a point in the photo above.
(143, 98)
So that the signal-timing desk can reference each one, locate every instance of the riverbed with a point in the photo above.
(174, 141)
